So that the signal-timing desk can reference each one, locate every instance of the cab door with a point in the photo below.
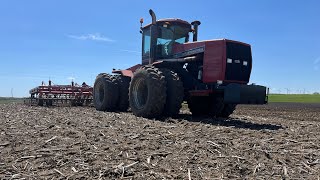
(146, 46)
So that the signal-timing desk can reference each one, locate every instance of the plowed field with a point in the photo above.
(273, 141)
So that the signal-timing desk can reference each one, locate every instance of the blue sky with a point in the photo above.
(61, 39)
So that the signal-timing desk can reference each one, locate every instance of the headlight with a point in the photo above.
(229, 60)
(219, 82)
(245, 63)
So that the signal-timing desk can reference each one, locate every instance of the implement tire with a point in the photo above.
(49, 102)
(105, 93)
(40, 102)
(227, 110)
(175, 93)
(147, 92)
(123, 102)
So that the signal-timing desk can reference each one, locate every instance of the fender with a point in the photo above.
(127, 72)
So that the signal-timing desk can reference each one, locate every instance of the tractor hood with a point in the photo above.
(223, 59)
(199, 46)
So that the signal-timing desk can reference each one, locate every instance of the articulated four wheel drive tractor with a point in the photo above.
(212, 76)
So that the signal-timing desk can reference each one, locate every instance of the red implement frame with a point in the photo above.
(74, 94)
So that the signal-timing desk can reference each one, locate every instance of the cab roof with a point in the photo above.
(172, 21)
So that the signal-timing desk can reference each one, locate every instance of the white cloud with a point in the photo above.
(92, 37)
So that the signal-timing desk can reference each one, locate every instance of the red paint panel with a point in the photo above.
(213, 62)
(214, 58)
(127, 73)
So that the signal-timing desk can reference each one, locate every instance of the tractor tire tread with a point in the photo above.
(156, 92)
(124, 83)
(227, 110)
(111, 93)
(175, 93)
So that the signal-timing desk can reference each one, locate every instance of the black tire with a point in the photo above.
(216, 106)
(199, 105)
(73, 103)
(227, 110)
(205, 105)
(147, 92)
(49, 102)
(123, 102)
(40, 102)
(175, 93)
(105, 92)
(80, 102)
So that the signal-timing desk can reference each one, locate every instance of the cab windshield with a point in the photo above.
(168, 36)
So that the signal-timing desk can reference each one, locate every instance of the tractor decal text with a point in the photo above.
(189, 52)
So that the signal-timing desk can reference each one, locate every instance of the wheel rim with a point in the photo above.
(140, 93)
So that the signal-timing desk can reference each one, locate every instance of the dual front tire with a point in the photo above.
(152, 92)
(147, 92)
(155, 92)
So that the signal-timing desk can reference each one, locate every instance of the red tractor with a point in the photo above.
(212, 75)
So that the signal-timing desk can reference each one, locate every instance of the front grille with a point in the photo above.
(237, 55)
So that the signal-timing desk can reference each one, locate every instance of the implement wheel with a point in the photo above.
(105, 93)
(175, 93)
(40, 102)
(49, 102)
(147, 92)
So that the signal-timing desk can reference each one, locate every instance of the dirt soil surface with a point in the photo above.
(275, 141)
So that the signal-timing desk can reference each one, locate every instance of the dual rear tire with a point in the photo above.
(105, 92)
(210, 106)
(228, 109)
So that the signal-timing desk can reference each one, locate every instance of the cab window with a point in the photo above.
(146, 43)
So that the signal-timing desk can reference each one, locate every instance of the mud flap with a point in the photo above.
(245, 94)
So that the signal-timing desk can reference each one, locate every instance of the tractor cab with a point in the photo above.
(159, 38)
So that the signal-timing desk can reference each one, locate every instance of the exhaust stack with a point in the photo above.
(153, 30)
(195, 25)
(153, 16)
